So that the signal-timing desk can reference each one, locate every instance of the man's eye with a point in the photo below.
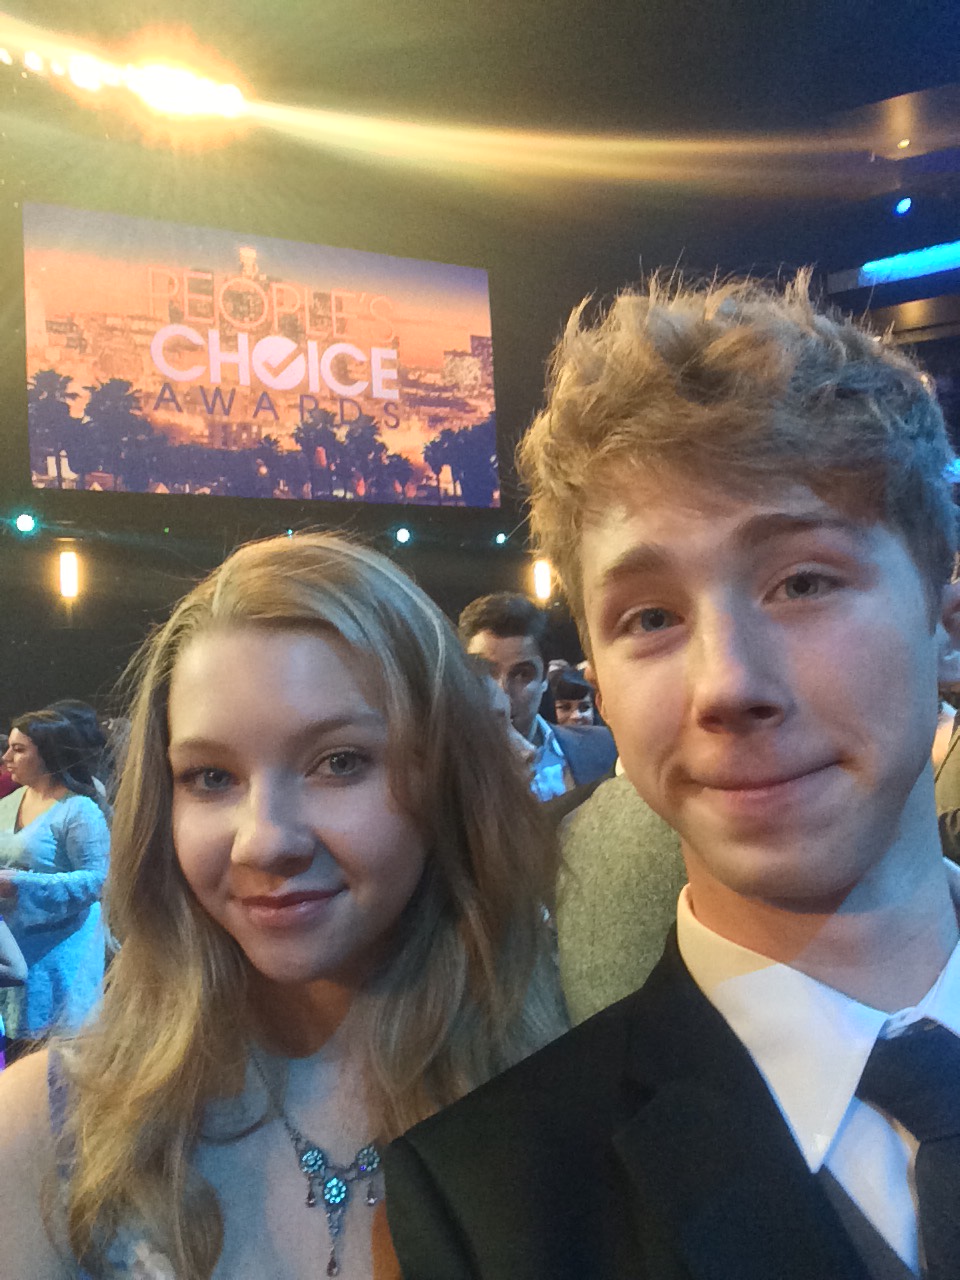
(652, 620)
(806, 586)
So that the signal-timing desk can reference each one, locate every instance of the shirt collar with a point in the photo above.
(809, 1042)
(544, 737)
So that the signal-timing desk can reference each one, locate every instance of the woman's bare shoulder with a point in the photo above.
(27, 1166)
(24, 1103)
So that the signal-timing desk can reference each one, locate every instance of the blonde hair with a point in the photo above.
(470, 987)
(740, 386)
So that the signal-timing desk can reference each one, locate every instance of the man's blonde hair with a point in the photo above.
(738, 386)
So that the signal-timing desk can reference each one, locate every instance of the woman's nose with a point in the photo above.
(270, 832)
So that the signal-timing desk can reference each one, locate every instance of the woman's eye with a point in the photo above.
(207, 781)
(652, 620)
(342, 764)
(806, 586)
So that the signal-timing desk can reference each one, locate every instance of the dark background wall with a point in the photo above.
(663, 68)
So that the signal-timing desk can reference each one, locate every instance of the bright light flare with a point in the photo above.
(91, 73)
(182, 105)
(542, 579)
(69, 575)
(158, 79)
(177, 91)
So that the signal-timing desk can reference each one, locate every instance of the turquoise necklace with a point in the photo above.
(328, 1183)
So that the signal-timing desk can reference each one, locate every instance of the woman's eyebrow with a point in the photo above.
(361, 719)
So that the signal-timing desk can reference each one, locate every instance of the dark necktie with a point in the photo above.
(915, 1079)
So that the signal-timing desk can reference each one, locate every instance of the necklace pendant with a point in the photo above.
(313, 1162)
(311, 1195)
(333, 1266)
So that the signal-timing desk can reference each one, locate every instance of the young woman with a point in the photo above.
(328, 880)
(54, 846)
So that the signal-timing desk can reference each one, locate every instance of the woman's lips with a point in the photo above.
(288, 910)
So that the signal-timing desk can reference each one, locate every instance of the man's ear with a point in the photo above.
(591, 678)
(948, 632)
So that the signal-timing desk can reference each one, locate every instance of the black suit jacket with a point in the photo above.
(643, 1145)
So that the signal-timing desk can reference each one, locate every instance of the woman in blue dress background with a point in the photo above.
(54, 849)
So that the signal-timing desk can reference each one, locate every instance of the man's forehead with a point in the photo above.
(503, 649)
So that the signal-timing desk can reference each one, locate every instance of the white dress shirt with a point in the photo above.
(811, 1044)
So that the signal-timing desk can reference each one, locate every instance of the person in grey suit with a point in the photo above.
(747, 503)
(621, 873)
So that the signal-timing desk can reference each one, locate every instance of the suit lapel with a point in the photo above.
(709, 1154)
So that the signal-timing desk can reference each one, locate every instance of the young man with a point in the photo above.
(506, 631)
(746, 501)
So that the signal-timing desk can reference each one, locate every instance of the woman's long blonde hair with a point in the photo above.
(470, 987)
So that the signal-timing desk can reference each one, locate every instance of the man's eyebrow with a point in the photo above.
(781, 524)
(647, 557)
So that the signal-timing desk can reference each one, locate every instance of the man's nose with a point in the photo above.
(271, 833)
(735, 671)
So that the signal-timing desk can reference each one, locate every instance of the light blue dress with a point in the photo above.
(60, 863)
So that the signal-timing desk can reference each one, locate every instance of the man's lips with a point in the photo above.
(748, 781)
(755, 797)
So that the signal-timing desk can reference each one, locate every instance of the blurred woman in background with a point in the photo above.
(54, 846)
(572, 697)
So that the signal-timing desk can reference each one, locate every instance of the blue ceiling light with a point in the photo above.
(25, 522)
(908, 266)
(403, 535)
(500, 539)
(903, 206)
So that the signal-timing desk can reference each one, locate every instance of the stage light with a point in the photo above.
(5, 58)
(179, 92)
(903, 144)
(289, 533)
(909, 266)
(903, 206)
(25, 522)
(403, 535)
(88, 72)
(542, 579)
(500, 539)
(32, 61)
(69, 575)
